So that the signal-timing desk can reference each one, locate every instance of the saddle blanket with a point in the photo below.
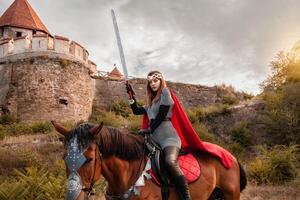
(188, 165)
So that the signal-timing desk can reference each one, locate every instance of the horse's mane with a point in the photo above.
(84, 139)
(126, 146)
(111, 141)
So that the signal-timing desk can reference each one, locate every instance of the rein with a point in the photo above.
(89, 190)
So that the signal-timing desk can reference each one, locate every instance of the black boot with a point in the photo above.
(182, 187)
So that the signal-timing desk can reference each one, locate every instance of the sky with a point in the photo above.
(207, 42)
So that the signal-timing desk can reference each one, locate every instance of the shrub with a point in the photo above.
(201, 113)
(192, 115)
(3, 132)
(230, 99)
(247, 96)
(135, 123)
(7, 119)
(140, 102)
(282, 96)
(241, 134)
(121, 107)
(64, 62)
(236, 149)
(34, 183)
(24, 128)
(282, 118)
(19, 129)
(41, 127)
(204, 133)
(109, 119)
(276, 166)
(38, 183)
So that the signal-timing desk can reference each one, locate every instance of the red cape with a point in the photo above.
(189, 138)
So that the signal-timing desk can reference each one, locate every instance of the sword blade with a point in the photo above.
(122, 57)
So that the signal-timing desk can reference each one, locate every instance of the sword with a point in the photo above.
(122, 57)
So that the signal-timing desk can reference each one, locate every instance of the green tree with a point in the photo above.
(282, 97)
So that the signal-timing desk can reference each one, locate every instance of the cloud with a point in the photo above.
(197, 41)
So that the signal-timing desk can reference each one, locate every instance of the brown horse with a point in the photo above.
(120, 158)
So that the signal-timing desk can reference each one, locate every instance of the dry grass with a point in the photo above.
(284, 192)
(22, 151)
(12, 141)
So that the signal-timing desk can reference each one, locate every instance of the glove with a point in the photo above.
(129, 90)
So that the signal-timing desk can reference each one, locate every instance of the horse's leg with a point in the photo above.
(204, 186)
(229, 181)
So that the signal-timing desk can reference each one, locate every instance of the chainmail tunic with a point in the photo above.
(165, 134)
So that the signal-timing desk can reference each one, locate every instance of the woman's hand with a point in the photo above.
(129, 90)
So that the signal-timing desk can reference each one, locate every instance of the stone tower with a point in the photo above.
(42, 76)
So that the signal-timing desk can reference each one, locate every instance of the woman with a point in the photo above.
(159, 111)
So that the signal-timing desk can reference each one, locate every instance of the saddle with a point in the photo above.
(159, 174)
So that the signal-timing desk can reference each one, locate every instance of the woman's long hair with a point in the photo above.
(151, 95)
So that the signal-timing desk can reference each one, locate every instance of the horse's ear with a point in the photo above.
(59, 128)
(96, 129)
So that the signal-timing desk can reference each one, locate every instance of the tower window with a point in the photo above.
(18, 34)
(33, 32)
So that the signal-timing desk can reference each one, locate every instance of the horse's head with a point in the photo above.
(82, 159)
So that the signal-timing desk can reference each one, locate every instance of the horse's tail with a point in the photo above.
(243, 178)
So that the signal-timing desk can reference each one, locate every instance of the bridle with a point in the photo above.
(89, 190)
(74, 160)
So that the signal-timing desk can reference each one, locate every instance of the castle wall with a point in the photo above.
(5, 77)
(43, 88)
(3, 49)
(40, 43)
(43, 42)
(61, 45)
(78, 51)
(22, 44)
(109, 91)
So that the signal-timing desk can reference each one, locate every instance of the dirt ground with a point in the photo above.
(266, 192)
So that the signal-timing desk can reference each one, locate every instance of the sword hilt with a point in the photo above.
(130, 91)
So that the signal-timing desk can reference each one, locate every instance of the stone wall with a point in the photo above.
(108, 91)
(5, 77)
(43, 88)
(48, 54)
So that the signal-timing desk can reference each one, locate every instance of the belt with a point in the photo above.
(167, 119)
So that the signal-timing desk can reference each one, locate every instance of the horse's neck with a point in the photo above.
(121, 174)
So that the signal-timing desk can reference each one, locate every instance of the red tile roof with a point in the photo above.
(115, 73)
(20, 14)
